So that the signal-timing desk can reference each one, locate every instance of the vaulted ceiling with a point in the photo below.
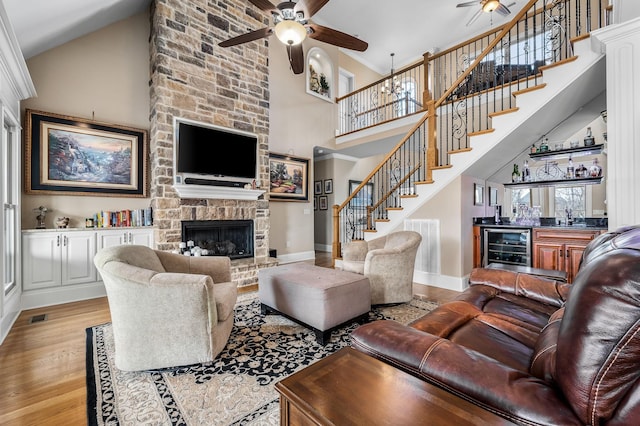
(407, 28)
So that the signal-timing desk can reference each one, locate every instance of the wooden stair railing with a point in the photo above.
(481, 89)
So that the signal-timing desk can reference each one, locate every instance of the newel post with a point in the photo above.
(335, 248)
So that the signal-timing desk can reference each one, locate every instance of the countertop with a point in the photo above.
(595, 224)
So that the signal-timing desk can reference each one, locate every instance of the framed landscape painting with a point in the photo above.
(77, 156)
(288, 178)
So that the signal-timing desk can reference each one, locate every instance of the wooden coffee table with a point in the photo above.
(351, 388)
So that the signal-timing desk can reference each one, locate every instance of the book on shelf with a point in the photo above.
(123, 218)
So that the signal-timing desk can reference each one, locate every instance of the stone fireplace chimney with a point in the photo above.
(193, 78)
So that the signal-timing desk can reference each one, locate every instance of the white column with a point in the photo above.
(621, 43)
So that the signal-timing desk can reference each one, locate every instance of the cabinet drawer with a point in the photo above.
(568, 236)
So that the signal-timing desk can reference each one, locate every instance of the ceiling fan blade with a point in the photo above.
(503, 10)
(296, 58)
(265, 5)
(468, 4)
(244, 38)
(337, 38)
(310, 7)
(475, 17)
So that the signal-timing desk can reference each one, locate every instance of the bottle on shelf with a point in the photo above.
(515, 176)
(595, 170)
(589, 139)
(526, 173)
(581, 172)
(570, 170)
(544, 145)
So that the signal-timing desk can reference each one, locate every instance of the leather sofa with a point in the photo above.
(533, 350)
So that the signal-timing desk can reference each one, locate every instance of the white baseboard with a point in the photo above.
(54, 296)
(296, 257)
(11, 313)
(322, 247)
(441, 281)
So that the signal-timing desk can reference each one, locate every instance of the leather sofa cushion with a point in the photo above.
(497, 324)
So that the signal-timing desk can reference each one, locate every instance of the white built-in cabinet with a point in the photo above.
(57, 264)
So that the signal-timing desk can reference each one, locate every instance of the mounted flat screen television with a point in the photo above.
(206, 152)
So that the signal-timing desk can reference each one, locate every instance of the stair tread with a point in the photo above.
(458, 151)
(530, 89)
(558, 63)
(503, 112)
(481, 132)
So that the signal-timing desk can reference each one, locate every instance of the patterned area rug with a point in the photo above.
(237, 388)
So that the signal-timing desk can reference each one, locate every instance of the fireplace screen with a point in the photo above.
(233, 238)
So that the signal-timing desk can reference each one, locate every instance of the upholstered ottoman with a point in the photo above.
(318, 298)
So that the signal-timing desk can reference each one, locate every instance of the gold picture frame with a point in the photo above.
(67, 155)
(288, 178)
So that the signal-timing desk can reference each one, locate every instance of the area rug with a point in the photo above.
(237, 388)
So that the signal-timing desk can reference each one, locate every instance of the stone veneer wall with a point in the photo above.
(192, 77)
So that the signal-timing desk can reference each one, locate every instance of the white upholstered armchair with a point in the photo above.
(167, 310)
(388, 262)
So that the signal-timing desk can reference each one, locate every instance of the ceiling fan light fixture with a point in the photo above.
(290, 32)
(490, 5)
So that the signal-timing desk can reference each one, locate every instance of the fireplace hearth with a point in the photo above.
(232, 238)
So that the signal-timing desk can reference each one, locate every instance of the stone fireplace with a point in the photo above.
(233, 238)
(193, 78)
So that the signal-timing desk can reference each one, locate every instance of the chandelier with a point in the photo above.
(392, 85)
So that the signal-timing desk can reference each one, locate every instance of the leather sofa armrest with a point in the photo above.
(510, 393)
(534, 287)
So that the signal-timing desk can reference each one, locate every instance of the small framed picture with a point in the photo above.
(315, 203)
(324, 203)
(317, 187)
(493, 196)
(478, 194)
(328, 186)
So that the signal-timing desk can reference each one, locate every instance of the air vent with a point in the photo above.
(38, 318)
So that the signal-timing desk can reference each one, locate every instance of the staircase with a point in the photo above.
(481, 119)
(565, 87)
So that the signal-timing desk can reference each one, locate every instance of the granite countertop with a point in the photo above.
(588, 223)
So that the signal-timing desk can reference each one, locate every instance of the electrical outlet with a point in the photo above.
(288, 244)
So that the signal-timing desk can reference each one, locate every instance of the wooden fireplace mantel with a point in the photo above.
(217, 192)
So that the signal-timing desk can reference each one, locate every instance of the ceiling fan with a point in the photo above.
(292, 26)
(487, 6)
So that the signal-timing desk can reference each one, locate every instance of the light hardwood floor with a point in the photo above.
(42, 364)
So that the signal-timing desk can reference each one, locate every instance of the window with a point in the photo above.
(9, 207)
(573, 199)
(519, 197)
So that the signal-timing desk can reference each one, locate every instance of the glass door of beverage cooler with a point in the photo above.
(510, 246)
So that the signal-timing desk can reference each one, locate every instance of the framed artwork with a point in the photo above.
(328, 186)
(323, 202)
(478, 194)
(315, 203)
(317, 187)
(76, 156)
(288, 178)
(493, 196)
(364, 198)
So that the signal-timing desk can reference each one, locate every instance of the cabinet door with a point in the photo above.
(111, 238)
(41, 260)
(573, 255)
(141, 237)
(78, 250)
(548, 256)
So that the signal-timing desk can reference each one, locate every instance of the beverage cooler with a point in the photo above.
(509, 246)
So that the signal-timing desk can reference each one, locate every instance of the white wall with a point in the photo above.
(298, 121)
(103, 76)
